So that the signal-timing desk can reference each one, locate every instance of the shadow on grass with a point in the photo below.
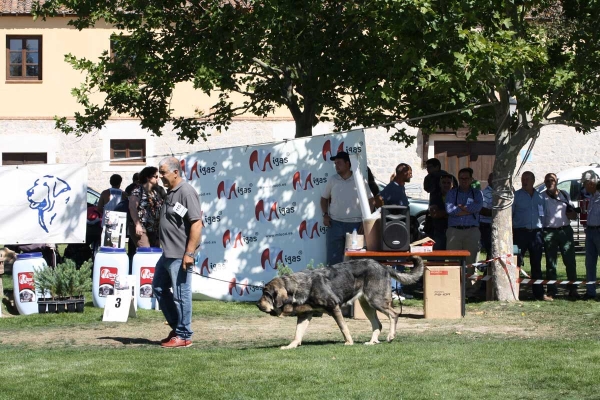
(304, 344)
(128, 340)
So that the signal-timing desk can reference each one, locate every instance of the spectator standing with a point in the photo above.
(528, 211)
(135, 180)
(592, 235)
(431, 182)
(463, 205)
(180, 231)
(341, 208)
(558, 233)
(395, 194)
(485, 217)
(439, 216)
(145, 203)
(110, 197)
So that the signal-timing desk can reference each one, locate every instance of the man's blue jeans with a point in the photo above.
(592, 250)
(336, 240)
(176, 306)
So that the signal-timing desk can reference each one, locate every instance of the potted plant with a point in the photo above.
(65, 284)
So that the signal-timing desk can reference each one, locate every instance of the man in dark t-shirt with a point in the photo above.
(179, 231)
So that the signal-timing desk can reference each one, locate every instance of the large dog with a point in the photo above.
(327, 289)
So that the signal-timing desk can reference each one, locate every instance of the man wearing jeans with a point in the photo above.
(180, 231)
(592, 236)
(341, 208)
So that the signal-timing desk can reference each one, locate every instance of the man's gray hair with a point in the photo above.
(170, 162)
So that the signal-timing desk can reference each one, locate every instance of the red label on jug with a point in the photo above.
(107, 281)
(26, 287)
(146, 276)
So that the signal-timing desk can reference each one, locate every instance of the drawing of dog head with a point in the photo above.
(48, 195)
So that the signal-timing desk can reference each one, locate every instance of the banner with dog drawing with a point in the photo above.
(44, 203)
(261, 207)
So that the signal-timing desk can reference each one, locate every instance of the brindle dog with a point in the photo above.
(327, 289)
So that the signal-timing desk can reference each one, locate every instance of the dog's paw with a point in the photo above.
(350, 343)
(292, 345)
(372, 342)
(390, 338)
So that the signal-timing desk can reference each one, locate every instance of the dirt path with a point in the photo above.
(251, 332)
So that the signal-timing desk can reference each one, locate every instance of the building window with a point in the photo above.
(24, 158)
(127, 151)
(24, 58)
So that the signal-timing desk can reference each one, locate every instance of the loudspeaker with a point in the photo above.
(395, 228)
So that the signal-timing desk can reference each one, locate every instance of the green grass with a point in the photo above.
(527, 350)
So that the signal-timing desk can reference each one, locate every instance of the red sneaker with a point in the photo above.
(177, 342)
(172, 334)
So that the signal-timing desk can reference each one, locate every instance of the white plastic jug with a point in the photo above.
(25, 294)
(109, 263)
(144, 262)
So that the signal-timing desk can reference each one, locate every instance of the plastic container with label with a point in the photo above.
(109, 263)
(142, 267)
(25, 295)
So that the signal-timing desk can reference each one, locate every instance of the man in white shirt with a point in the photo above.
(558, 234)
(341, 207)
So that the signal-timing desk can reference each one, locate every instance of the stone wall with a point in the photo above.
(557, 148)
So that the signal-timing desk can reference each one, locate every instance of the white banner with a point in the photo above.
(43, 203)
(261, 206)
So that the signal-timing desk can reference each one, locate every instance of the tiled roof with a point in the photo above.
(16, 6)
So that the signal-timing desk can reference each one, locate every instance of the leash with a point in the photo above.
(253, 288)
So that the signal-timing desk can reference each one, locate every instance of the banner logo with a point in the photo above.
(227, 189)
(202, 263)
(309, 229)
(271, 256)
(302, 180)
(266, 210)
(198, 170)
(331, 147)
(49, 196)
(231, 239)
(260, 160)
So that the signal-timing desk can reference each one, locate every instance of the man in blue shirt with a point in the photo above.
(528, 210)
(463, 205)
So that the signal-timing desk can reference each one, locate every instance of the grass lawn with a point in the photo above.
(525, 350)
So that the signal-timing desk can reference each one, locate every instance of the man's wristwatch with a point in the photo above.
(325, 214)
(189, 254)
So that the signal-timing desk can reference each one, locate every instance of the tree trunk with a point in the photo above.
(508, 145)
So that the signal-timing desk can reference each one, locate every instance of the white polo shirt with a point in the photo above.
(344, 206)
(556, 211)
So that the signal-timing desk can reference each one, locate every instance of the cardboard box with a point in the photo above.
(441, 295)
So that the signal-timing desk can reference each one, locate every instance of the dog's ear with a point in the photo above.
(60, 186)
(280, 297)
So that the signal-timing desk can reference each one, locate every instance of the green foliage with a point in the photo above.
(283, 269)
(311, 265)
(65, 280)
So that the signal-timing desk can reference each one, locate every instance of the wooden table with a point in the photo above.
(438, 257)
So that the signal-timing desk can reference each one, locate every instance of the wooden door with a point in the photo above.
(479, 156)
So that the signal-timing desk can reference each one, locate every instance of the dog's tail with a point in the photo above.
(411, 277)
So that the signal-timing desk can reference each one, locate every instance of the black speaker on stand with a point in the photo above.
(395, 228)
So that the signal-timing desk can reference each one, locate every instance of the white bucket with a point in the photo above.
(25, 294)
(109, 262)
(144, 262)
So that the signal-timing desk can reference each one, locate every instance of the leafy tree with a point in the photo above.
(314, 57)
(363, 62)
(542, 54)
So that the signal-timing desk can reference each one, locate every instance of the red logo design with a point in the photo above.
(259, 159)
(308, 229)
(236, 236)
(107, 275)
(25, 281)
(226, 189)
(331, 148)
(265, 210)
(192, 170)
(302, 180)
(146, 275)
(271, 256)
(239, 288)
(202, 262)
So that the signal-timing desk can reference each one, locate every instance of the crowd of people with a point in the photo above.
(460, 218)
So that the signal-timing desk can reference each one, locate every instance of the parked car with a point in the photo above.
(570, 180)
(418, 211)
